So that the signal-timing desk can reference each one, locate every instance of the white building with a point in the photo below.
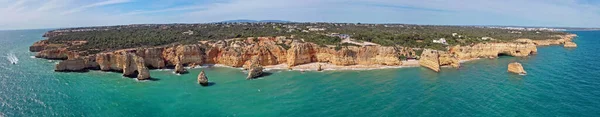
(486, 38)
(316, 29)
(441, 40)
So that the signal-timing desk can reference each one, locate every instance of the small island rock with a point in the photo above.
(255, 71)
(319, 68)
(202, 79)
(516, 67)
(179, 69)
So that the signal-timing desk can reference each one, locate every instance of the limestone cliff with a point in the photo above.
(202, 79)
(58, 54)
(433, 59)
(269, 51)
(492, 50)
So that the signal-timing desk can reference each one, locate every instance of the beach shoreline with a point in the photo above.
(324, 66)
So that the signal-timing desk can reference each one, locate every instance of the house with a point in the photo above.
(189, 32)
(441, 41)
(316, 29)
(342, 36)
(486, 38)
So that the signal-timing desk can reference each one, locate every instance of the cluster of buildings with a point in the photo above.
(529, 29)
(341, 36)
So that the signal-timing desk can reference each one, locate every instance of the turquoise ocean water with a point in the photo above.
(560, 82)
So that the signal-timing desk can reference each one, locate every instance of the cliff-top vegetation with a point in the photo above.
(416, 36)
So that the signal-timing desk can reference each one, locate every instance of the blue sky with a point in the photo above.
(33, 14)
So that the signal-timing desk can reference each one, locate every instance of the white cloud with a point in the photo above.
(166, 10)
(26, 14)
(98, 4)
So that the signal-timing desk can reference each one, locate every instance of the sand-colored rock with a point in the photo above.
(516, 67)
(255, 70)
(39, 46)
(76, 65)
(430, 59)
(58, 54)
(123, 61)
(143, 72)
(202, 79)
(492, 50)
(449, 59)
(570, 45)
(152, 57)
(301, 53)
(180, 69)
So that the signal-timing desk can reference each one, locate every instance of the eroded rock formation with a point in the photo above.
(202, 79)
(570, 45)
(255, 70)
(516, 68)
(430, 59)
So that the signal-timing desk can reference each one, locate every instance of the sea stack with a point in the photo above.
(179, 69)
(143, 72)
(319, 68)
(202, 79)
(516, 67)
(255, 69)
(570, 45)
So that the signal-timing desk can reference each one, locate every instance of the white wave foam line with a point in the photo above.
(12, 58)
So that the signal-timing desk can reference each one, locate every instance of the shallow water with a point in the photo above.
(560, 82)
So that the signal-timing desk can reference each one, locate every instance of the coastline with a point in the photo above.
(278, 53)
(314, 66)
(332, 67)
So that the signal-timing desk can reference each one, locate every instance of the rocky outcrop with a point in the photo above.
(180, 69)
(570, 45)
(39, 46)
(76, 65)
(449, 59)
(125, 61)
(430, 59)
(202, 79)
(56, 54)
(562, 39)
(255, 70)
(152, 57)
(301, 53)
(143, 72)
(319, 68)
(516, 68)
(493, 50)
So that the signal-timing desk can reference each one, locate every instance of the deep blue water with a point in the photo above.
(560, 82)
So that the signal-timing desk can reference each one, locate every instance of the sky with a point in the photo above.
(38, 14)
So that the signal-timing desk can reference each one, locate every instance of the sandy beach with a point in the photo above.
(329, 66)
